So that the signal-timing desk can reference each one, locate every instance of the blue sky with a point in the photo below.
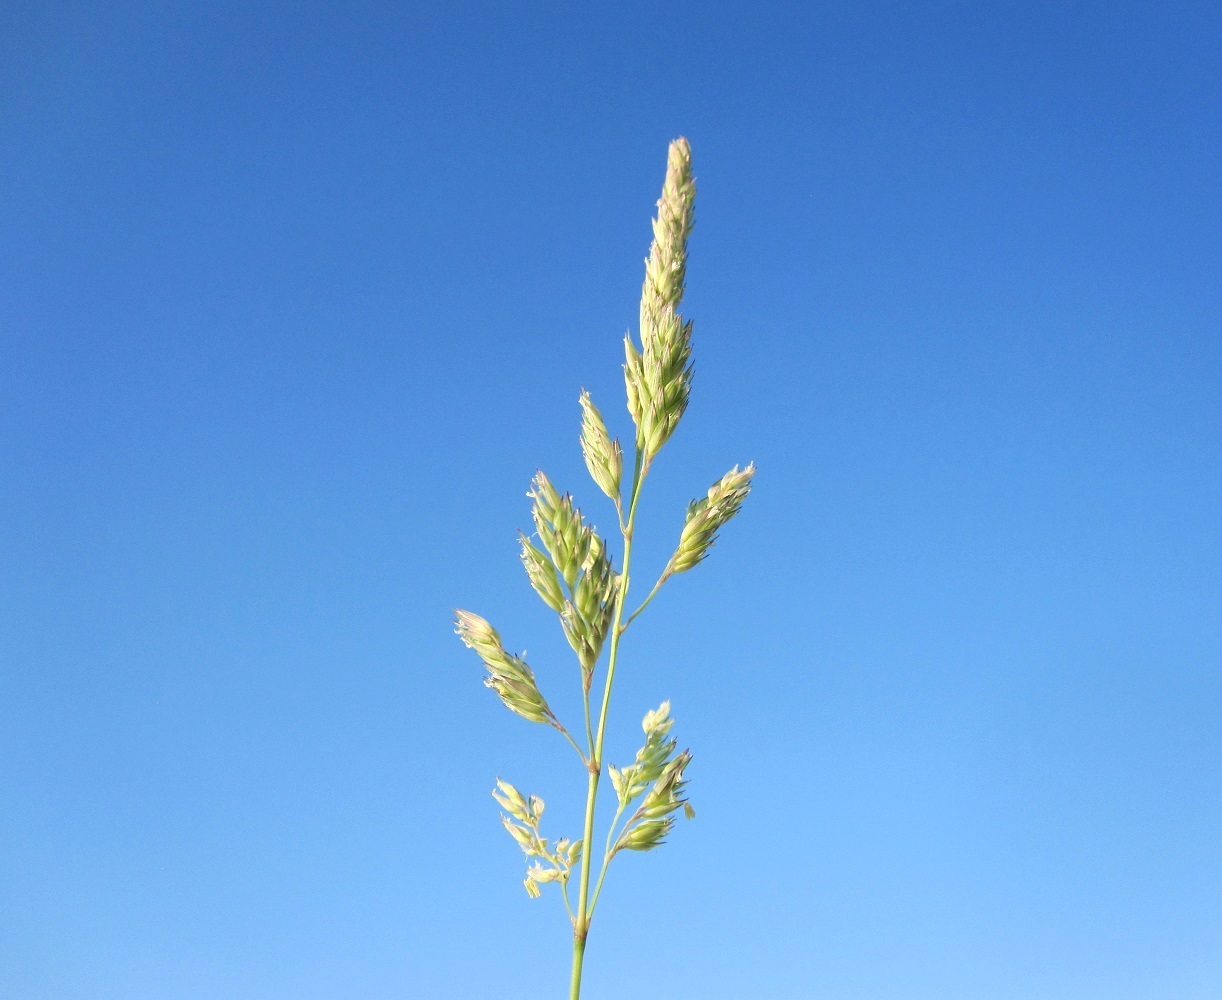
(296, 297)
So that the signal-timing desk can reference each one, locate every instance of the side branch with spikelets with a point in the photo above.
(571, 569)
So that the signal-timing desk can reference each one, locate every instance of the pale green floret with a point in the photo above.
(512, 801)
(560, 528)
(525, 837)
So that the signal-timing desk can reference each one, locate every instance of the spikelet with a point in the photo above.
(542, 574)
(559, 527)
(707, 515)
(509, 676)
(604, 457)
(578, 557)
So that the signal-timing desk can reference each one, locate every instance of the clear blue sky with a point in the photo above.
(294, 298)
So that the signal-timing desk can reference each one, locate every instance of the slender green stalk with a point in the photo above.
(585, 701)
(572, 742)
(581, 927)
(602, 873)
(579, 954)
(581, 924)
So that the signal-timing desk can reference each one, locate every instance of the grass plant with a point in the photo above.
(572, 571)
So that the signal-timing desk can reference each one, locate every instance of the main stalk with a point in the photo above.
(581, 924)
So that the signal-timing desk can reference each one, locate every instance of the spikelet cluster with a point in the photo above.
(573, 554)
(630, 782)
(523, 825)
(707, 515)
(658, 377)
(604, 457)
(654, 819)
(508, 675)
(655, 765)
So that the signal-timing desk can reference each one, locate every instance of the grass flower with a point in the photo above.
(571, 569)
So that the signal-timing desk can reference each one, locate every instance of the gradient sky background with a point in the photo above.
(294, 299)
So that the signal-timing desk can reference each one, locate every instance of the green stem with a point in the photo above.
(579, 954)
(581, 926)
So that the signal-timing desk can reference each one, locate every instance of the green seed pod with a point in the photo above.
(477, 634)
(545, 494)
(515, 684)
(658, 719)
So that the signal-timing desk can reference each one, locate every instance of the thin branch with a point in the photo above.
(565, 733)
(666, 575)
(602, 873)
